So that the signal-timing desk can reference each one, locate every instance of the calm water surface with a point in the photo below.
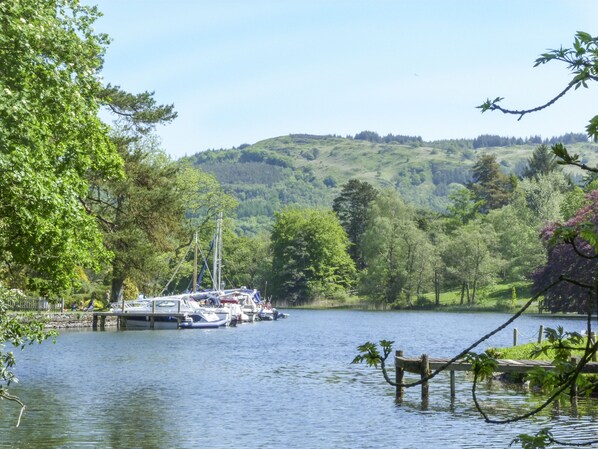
(266, 385)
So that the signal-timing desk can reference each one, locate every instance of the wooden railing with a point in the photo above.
(37, 305)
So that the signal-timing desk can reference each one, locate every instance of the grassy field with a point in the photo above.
(499, 297)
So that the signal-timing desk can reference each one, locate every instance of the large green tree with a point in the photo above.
(542, 162)
(471, 258)
(50, 139)
(153, 209)
(489, 184)
(351, 206)
(309, 256)
(396, 252)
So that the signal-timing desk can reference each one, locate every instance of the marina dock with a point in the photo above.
(99, 318)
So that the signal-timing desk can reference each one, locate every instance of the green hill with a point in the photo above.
(309, 171)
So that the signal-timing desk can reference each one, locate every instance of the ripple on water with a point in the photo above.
(267, 385)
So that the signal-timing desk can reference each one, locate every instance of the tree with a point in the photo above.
(51, 138)
(571, 255)
(352, 206)
(470, 257)
(246, 260)
(464, 207)
(518, 243)
(543, 196)
(542, 162)
(309, 255)
(396, 252)
(489, 184)
(151, 211)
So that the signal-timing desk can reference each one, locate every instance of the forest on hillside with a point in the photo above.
(308, 171)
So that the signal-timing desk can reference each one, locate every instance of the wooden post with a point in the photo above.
(573, 391)
(515, 335)
(540, 333)
(153, 313)
(94, 323)
(399, 375)
(103, 322)
(452, 384)
(425, 370)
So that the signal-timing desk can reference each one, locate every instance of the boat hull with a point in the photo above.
(203, 324)
(144, 322)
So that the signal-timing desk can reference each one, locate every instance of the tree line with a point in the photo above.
(401, 254)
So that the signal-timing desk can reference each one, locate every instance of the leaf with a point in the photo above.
(592, 128)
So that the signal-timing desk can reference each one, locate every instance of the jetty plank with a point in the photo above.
(414, 365)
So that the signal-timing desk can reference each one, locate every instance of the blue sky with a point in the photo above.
(243, 71)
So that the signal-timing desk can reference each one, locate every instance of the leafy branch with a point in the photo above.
(581, 60)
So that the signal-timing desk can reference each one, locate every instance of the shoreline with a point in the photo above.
(67, 320)
(82, 320)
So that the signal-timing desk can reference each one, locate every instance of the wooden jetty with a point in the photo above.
(100, 317)
(424, 365)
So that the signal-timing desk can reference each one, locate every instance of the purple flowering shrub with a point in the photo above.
(572, 255)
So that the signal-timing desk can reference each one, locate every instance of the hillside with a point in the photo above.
(309, 171)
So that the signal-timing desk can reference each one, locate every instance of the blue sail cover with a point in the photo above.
(205, 265)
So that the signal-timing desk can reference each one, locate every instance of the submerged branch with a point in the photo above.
(10, 397)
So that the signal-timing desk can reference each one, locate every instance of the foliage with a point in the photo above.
(50, 138)
(483, 365)
(580, 59)
(542, 162)
(397, 253)
(544, 196)
(518, 244)
(471, 258)
(571, 255)
(424, 176)
(487, 140)
(309, 255)
(489, 184)
(370, 353)
(152, 211)
(540, 440)
(352, 206)
(247, 261)
(464, 207)
(372, 136)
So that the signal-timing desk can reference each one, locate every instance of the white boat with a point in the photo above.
(167, 312)
(247, 301)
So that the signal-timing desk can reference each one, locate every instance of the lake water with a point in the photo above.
(287, 383)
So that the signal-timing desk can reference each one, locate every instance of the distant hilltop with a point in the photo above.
(308, 170)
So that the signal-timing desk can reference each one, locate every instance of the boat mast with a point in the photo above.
(217, 262)
(195, 264)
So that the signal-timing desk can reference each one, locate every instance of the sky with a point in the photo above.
(243, 71)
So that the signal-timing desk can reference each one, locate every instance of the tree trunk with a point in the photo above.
(462, 292)
(437, 287)
(468, 295)
(118, 287)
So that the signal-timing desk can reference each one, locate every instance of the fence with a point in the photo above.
(37, 305)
